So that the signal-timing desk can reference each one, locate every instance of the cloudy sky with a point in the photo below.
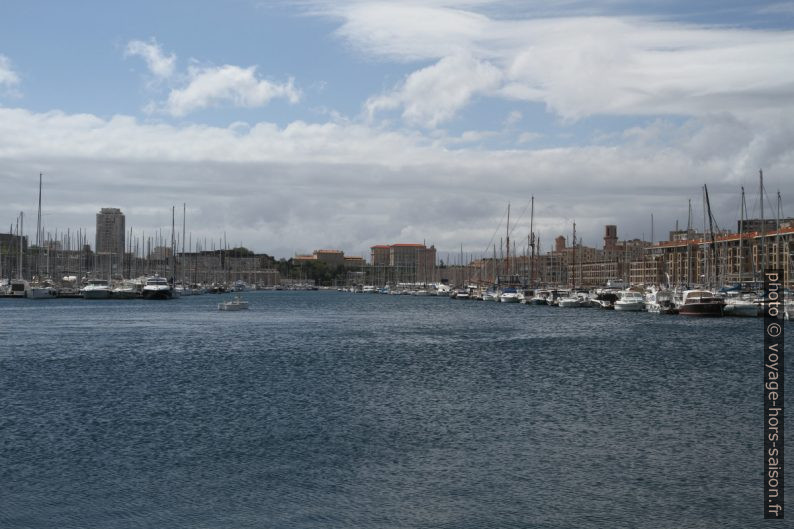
(292, 126)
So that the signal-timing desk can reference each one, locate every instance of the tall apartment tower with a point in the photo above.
(110, 231)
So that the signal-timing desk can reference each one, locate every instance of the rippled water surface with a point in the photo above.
(332, 410)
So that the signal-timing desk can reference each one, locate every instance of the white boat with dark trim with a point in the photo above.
(574, 300)
(18, 288)
(157, 287)
(661, 302)
(509, 295)
(96, 289)
(490, 294)
(630, 300)
(42, 291)
(701, 303)
(541, 297)
(234, 304)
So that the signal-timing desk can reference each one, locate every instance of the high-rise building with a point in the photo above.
(110, 231)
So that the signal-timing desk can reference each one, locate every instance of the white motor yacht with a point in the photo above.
(234, 304)
(742, 306)
(509, 295)
(541, 297)
(574, 300)
(661, 302)
(157, 287)
(630, 300)
(18, 288)
(96, 289)
(490, 294)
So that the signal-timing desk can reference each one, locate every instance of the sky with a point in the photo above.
(295, 126)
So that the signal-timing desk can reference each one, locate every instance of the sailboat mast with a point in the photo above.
(763, 226)
(173, 247)
(713, 240)
(741, 237)
(532, 242)
(38, 233)
(21, 240)
(777, 233)
(184, 209)
(573, 260)
(507, 246)
(688, 247)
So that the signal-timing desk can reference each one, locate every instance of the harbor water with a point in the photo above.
(336, 410)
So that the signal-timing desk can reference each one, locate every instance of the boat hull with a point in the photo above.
(714, 310)
(42, 293)
(742, 310)
(509, 299)
(629, 307)
(156, 294)
(96, 294)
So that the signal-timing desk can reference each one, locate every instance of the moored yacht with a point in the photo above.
(541, 297)
(509, 295)
(742, 306)
(96, 289)
(18, 288)
(701, 303)
(42, 290)
(630, 300)
(490, 294)
(157, 287)
(461, 293)
(661, 302)
(574, 300)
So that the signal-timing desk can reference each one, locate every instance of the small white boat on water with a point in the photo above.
(234, 304)
(41, 289)
(661, 302)
(461, 293)
(541, 297)
(630, 301)
(509, 295)
(96, 289)
(18, 288)
(574, 300)
(743, 307)
(157, 287)
(490, 294)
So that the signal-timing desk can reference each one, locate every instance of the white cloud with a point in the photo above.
(159, 64)
(8, 77)
(434, 94)
(215, 85)
(583, 66)
(512, 118)
(310, 185)
(527, 137)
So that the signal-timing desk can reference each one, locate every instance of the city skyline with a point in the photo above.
(293, 127)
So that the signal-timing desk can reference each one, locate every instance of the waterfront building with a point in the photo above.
(749, 225)
(332, 258)
(403, 263)
(729, 258)
(380, 255)
(9, 254)
(161, 253)
(354, 262)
